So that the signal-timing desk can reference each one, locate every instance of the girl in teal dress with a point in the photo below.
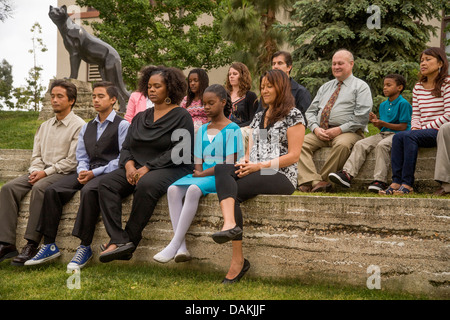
(218, 141)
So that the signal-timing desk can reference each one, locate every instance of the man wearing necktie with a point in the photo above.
(336, 117)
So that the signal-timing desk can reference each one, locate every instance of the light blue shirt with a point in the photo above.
(83, 157)
(351, 109)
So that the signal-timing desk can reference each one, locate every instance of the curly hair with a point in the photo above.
(399, 80)
(204, 83)
(174, 79)
(284, 101)
(441, 78)
(222, 93)
(245, 78)
(145, 74)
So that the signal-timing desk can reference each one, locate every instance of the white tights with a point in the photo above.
(181, 216)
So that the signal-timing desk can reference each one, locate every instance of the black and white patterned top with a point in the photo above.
(271, 143)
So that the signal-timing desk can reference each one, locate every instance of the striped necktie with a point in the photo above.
(327, 109)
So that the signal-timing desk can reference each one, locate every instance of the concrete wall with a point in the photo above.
(307, 238)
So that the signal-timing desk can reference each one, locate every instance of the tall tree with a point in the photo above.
(6, 85)
(33, 93)
(250, 24)
(386, 38)
(168, 32)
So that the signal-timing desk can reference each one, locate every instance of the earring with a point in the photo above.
(168, 101)
(439, 69)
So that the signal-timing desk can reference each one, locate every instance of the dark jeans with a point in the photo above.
(229, 185)
(57, 195)
(150, 188)
(405, 147)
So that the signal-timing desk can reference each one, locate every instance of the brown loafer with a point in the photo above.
(28, 252)
(322, 186)
(305, 188)
(441, 192)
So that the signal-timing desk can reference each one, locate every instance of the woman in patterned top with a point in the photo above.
(198, 81)
(270, 165)
(431, 109)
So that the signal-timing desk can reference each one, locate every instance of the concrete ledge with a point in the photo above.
(309, 238)
(14, 163)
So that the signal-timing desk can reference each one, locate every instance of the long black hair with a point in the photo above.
(441, 78)
(222, 93)
(204, 83)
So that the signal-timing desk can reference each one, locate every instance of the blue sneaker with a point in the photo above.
(81, 257)
(46, 253)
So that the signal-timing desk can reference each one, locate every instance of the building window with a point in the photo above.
(93, 73)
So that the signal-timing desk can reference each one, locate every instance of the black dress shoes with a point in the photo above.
(227, 235)
(245, 268)
(7, 251)
(122, 252)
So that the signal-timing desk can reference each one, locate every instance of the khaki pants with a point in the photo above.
(442, 169)
(10, 196)
(382, 143)
(341, 147)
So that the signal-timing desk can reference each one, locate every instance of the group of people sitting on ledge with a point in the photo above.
(186, 138)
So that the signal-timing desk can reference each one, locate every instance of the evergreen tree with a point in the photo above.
(6, 85)
(384, 36)
(250, 25)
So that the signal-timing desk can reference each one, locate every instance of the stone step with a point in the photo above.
(312, 238)
(14, 163)
(18, 161)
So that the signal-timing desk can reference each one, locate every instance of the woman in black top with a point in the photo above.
(151, 160)
(245, 102)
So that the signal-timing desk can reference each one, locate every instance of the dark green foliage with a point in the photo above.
(319, 28)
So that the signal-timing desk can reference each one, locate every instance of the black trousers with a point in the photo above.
(150, 188)
(57, 195)
(229, 185)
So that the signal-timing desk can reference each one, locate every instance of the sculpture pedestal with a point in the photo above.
(83, 106)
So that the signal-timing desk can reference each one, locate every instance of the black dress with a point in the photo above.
(148, 143)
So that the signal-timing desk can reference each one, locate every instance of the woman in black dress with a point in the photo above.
(150, 161)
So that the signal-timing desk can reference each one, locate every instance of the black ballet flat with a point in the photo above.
(227, 235)
(245, 268)
(122, 252)
(125, 257)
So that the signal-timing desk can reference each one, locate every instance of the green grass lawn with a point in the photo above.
(17, 129)
(141, 281)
